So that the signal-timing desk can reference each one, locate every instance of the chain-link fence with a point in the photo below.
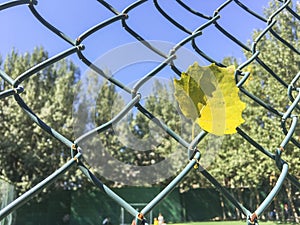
(168, 59)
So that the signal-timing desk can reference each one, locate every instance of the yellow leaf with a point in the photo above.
(209, 96)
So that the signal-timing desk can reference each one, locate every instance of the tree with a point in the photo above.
(164, 153)
(284, 61)
(27, 153)
(238, 164)
(135, 150)
(261, 124)
(96, 102)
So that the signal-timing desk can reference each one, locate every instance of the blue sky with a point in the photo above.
(21, 30)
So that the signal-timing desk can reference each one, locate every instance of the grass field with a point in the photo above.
(228, 223)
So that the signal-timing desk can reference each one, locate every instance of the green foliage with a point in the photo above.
(285, 63)
(238, 163)
(28, 154)
(135, 143)
(95, 101)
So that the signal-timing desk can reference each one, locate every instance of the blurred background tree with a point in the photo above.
(27, 154)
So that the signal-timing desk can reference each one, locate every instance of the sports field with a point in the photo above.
(228, 223)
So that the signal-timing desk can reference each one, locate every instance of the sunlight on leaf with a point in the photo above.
(209, 96)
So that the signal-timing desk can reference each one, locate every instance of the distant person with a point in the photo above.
(133, 222)
(286, 211)
(106, 221)
(160, 219)
(155, 221)
(273, 215)
(66, 219)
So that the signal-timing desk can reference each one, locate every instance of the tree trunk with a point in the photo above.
(257, 198)
(222, 206)
(240, 199)
(278, 209)
(288, 190)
